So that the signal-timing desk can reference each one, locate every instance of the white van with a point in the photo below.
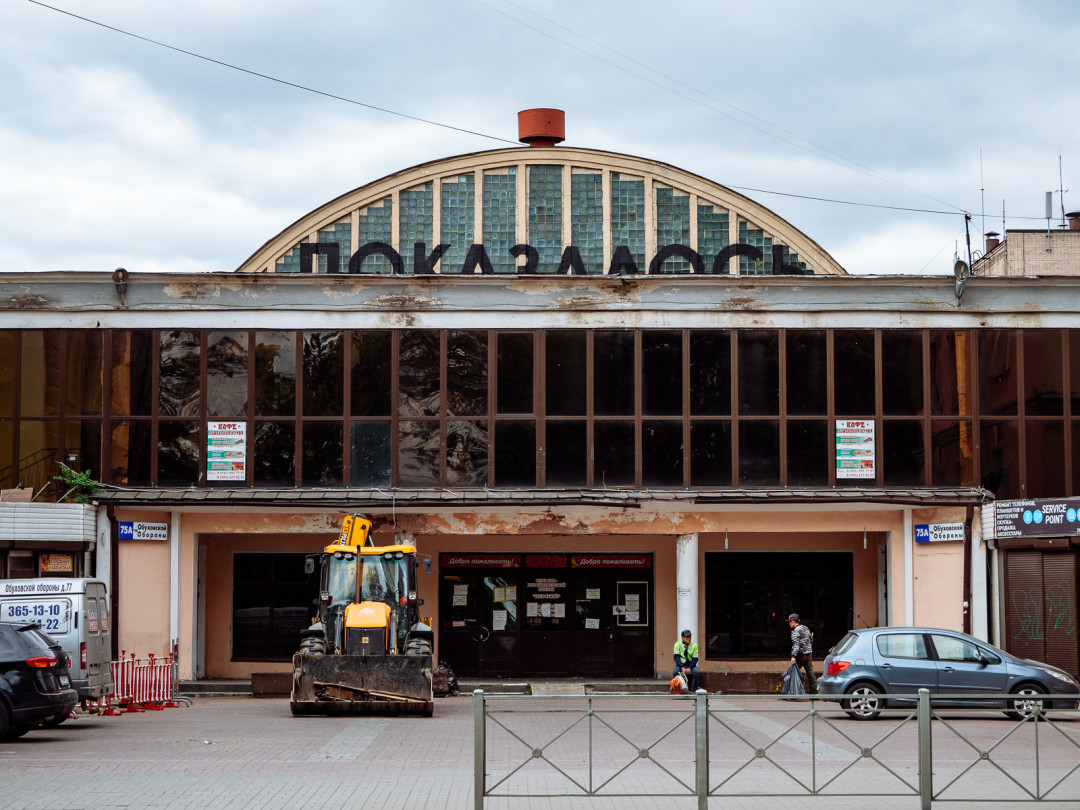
(74, 613)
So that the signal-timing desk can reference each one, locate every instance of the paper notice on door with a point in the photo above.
(632, 616)
(498, 620)
(633, 601)
(461, 599)
(545, 610)
(560, 610)
(499, 595)
(592, 624)
(532, 609)
(592, 593)
(618, 610)
(511, 593)
(461, 589)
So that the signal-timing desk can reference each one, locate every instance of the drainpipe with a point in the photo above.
(968, 542)
(686, 584)
(114, 580)
(909, 572)
(174, 581)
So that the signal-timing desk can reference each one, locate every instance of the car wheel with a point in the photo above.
(14, 732)
(864, 701)
(1026, 706)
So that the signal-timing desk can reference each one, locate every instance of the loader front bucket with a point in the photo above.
(355, 684)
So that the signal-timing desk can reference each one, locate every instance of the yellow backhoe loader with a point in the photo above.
(368, 650)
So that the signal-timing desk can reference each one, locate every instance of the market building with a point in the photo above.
(606, 397)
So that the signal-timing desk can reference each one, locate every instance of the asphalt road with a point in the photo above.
(246, 752)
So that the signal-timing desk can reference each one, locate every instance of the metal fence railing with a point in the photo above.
(724, 746)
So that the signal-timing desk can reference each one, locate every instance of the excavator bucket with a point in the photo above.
(355, 684)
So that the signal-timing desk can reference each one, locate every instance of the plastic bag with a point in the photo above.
(791, 683)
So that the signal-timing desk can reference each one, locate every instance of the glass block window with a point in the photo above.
(415, 221)
(749, 235)
(545, 215)
(457, 228)
(500, 217)
(376, 225)
(791, 259)
(341, 233)
(587, 219)
(712, 229)
(628, 216)
(672, 226)
(289, 263)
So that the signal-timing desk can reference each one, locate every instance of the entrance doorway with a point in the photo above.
(546, 615)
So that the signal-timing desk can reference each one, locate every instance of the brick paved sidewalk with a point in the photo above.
(250, 753)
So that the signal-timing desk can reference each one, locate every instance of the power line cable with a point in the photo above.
(272, 78)
(817, 150)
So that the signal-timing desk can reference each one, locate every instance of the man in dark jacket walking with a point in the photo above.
(802, 648)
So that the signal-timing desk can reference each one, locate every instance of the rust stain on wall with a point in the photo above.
(29, 302)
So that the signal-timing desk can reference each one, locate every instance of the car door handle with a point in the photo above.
(886, 666)
(947, 669)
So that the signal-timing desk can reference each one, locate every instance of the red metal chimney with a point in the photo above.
(541, 127)
(992, 240)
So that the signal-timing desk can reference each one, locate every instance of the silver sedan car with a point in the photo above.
(870, 669)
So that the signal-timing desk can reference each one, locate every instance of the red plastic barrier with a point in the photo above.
(140, 684)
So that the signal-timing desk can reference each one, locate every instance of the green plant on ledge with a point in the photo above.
(80, 483)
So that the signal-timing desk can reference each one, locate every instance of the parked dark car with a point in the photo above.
(35, 686)
(869, 667)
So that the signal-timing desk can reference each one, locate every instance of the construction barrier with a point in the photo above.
(141, 684)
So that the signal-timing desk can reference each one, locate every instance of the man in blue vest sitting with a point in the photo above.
(686, 655)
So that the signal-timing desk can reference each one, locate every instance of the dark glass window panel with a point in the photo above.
(759, 373)
(324, 373)
(85, 367)
(7, 375)
(807, 384)
(808, 456)
(951, 454)
(273, 600)
(371, 454)
(322, 446)
(39, 388)
(418, 373)
(614, 453)
(901, 451)
(1074, 369)
(227, 375)
(710, 454)
(132, 372)
(948, 358)
(1044, 448)
(999, 456)
(515, 372)
(178, 384)
(82, 439)
(275, 452)
(662, 454)
(759, 453)
(565, 373)
(466, 454)
(902, 373)
(371, 374)
(39, 450)
(7, 444)
(661, 373)
(515, 454)
(466, 373)
(710, 373)
(275, 374)
(418, 453)
(130, 454)
(613, 373)
(1075, 458)
(566, 456)
(178, 453)
(997, 372)
(1043, 380)
(853, 372)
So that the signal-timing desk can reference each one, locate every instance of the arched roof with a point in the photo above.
(527, 207)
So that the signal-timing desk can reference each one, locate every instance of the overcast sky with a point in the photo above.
(117, 152)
